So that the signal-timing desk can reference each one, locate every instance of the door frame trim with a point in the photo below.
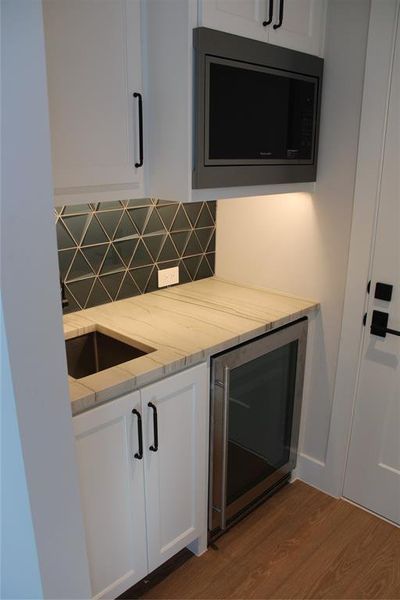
(378, 69)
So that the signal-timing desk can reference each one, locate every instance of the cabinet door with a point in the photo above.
(93, 68)
(112, 495)
(176, 474)
(303, 25)
(240, 17)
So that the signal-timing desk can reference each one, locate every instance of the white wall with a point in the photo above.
(32, 313)
(18, 547)
(299, 242)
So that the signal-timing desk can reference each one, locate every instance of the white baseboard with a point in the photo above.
(313, 471)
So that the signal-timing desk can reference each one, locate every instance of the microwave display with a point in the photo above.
(258, 115)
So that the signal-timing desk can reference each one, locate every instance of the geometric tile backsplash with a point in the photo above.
(108, 251)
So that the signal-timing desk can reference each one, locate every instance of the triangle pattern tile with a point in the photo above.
(168, 251)
(112, 261)
(161, 202)
(138, 202)
(126, 249)
(98, 295)
(95, 255)
(193, 210)
(191, 265)
(141, 276)
(109, 221)
(205, 219)
(184, 276)
(64, 261)
(180, 238)
(81, 289)
(204, 236)
(212, 207)
(72, 303)
(167, 214)
(79, 267)
(152, 284)
(77, 208)
(125, 228)
(211, 261)
(112, 283)
(142, 256)
(94, 233)
(211, 244)
(64, 239)
(193, 245)
(112, 205)
(167, 264)
(181, 222)
(153, 244)
(204, 269)
(154, 223)
(128, 288)
(139, 217)
(76, 225)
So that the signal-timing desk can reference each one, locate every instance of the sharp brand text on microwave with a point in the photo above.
(256, 112)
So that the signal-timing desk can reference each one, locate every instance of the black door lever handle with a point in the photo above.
(379, 324)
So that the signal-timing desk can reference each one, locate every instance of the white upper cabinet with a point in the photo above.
(240, 17)
(301, 26)
(93, 52)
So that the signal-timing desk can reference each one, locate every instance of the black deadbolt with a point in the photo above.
(383, 291)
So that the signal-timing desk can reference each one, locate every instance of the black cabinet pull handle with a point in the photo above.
(139, 454)
(379, 324)
(140, 109)
(280, 19)
(270, 13)
(154, 447)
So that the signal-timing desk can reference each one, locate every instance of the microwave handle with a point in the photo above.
(225, 446)
(270, 14)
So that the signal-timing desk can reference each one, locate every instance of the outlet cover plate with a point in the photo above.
(168, 276)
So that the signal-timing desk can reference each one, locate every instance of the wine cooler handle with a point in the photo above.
(225, 429)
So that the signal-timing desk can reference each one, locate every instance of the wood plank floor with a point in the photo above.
(300, 544)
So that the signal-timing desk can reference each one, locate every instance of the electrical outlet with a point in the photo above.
(168, 276)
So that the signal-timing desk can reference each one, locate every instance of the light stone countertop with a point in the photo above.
(184, 324)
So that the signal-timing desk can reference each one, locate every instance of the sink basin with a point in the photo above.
(95, 351)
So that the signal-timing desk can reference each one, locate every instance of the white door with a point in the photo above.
(303, 25)
(112, 495)
(176, 466)
(93, 55)
(240, 17)
(373, 468)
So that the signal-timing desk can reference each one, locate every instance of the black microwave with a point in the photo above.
(256, 112)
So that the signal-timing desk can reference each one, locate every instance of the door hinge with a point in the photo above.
(369, 287)
(365, 319)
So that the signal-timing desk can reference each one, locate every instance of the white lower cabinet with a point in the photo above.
(139, 512)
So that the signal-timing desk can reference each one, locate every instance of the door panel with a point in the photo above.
(112, 495)
(240, 17)
(176, 473)
(302, 27)
(373, 468)
(94, 66)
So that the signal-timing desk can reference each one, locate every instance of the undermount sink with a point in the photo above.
(95, 351)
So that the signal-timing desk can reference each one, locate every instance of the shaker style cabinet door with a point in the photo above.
(112, 495)
(300, 25)
(240, 17)
(93, 53)
(295, 24)
(176, 458)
